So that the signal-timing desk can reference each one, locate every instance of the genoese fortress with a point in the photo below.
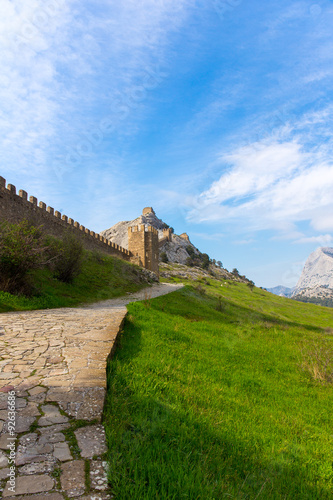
(143, 242)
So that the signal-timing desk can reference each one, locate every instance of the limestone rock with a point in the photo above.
(317, 276)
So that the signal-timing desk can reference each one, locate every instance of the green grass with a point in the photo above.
(102, 277)
(209, 404)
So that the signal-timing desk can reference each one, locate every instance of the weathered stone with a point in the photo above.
(98, 475)
(22, 424)
(38, 398)
(53, 428)
(43, 496)
(88, 406)
(37, 390)
(51, 437)
(3, 459)
(39, 467)
(32, 453)
(97, 496)
(28, 439)
(30, 484)
(4, 473)
(30, 410)
(73, 478)
(5, 439)
(62, 452)
(91, 440)
(52, 416)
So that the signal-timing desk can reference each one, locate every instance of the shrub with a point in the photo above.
(164, 257)
(205, 261)
(68, 255)
(22, 248)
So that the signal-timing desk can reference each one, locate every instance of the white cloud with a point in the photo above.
(64, 67)
(322, 240)
(282, 180)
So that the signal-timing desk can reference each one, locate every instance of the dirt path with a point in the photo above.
(55, 362)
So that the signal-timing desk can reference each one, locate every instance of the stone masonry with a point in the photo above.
(14, 208)
(144, 246)
(55, 361)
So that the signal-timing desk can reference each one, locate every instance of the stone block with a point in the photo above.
(73, 478)
(30, 484)
(23, 194)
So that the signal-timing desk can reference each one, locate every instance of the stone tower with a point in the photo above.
(144, 247)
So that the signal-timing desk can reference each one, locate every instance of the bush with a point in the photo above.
(205, 261)
(68, 255)
(164, 257)
(22, 248)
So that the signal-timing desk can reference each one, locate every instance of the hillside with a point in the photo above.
(316, 281)
(222, 392)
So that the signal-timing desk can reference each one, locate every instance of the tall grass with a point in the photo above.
(207, 399)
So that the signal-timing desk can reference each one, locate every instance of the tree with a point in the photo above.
(205, 261)
(164, 257)
(219, 263)
(235, 272)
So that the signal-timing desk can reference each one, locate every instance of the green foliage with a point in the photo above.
(68, 255)
(102, 277)
(21, 250)
(250, 284)
(205, 261)
(219, 264)
(207, 404)
(164, 257)
(235, 272)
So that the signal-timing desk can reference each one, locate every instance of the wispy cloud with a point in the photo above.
(268, 182)
(65, 67)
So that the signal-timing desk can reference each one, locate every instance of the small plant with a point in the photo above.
(147, 300)
(200, 289)
(317, 360)
(220, 306)
(250, 284)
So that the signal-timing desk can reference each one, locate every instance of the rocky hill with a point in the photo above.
(316, 281)
(179, 249)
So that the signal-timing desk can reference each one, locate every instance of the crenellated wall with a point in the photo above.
(167, 236)
(17, 207)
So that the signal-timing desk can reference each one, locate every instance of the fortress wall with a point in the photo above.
(17, 207)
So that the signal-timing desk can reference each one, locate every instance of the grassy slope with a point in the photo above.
(208, 404)
(102, 277)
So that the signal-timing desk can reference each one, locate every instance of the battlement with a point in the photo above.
(16, 207)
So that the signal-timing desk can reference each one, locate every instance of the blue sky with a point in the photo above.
(217, 113)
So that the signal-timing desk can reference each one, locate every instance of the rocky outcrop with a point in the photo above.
(174, 249)
(316, 280)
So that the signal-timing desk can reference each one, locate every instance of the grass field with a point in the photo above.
(102, 277)
(219, 392)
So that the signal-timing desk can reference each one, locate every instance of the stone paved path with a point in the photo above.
(55, 361)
